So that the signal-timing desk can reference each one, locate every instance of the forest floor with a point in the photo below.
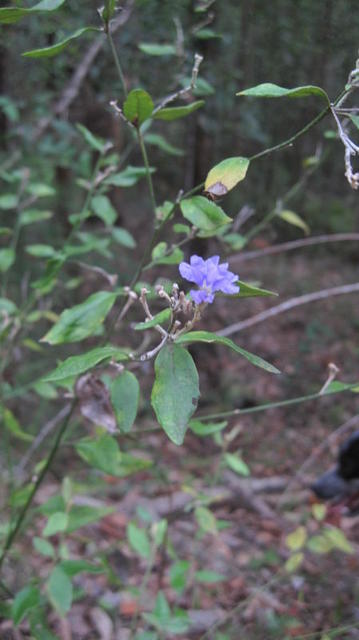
(251, 595)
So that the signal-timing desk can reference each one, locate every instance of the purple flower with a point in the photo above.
(210, 276)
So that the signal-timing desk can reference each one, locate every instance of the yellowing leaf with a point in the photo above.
(319, 511)
(294, 562)
(338, 540)
(295, 220)
(225, 175)
(296, 539)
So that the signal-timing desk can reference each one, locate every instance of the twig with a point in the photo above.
(150, 354)
(268, 405)
(287, 306)
(333, 372)
(294, 244)
(177, 94)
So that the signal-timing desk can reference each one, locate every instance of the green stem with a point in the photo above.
(117, 63)
(12, 535)
(148, 170)
(274, 405)
(302, 131)
(293, 138)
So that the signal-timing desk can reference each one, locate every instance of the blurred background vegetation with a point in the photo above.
(243, 43)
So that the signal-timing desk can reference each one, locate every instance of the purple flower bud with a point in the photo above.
(210, 276)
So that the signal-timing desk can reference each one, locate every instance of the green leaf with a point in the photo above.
(83, 320)
(159, 318)
(178, 575)
(131, 464)
(158, 531)
(44, 547)
(250, 291)
(57, 522)
(209, 577)
(75, 365)
(73, 567)
(123, 237)
(164, 620)
(40, 190)
(161, 254)
(9, 15)
(203, 214)
(153, 49)
(102, 453)
(296, 539)
(93, 141)
(295, 220)
(355, 120)
(129, 177)
(162, 608)
(41, 251)
(206, 429)
(207, 336)
(159, 141)
(173, 113)
(319, 544)
(13, 426)
(45, 390)
(108, 10)
(125, 394)
(206, 520)
(207, 34)
(48, 280)
(139, 540)
(175, 392)
(34, 215)
(138, 107)
(181, 228)
(80, 516)
(237, 465)
(25, 601)
(269, 90)
(7, 258)
(8, 200)
(7, 306)
(59, 589)
(55, 49)
(103, 208)
(225, 175)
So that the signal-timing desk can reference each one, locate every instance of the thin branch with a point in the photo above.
(294, 244)
(177, 94)
(269, 405)
(287, 306)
